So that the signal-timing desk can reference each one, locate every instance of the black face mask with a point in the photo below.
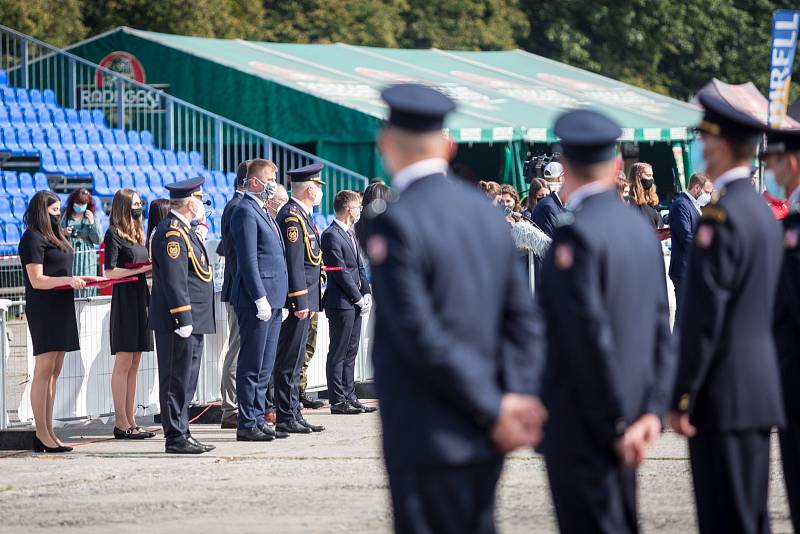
(55, 220)
(136, 213)
(647, 184)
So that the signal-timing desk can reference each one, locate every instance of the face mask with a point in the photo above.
(318, 197)
(703, 199)
(136, 213)
(773, 187)
(647, 184)
(55, 220)
(79, 208)
(201, 212)
(626, 199)
(357, 216)
(271, 189)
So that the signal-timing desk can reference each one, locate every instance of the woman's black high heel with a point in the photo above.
(38, 446)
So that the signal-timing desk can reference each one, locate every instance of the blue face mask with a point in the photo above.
(79, 208)
(773, 187)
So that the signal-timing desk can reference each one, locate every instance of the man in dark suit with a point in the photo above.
(727, 394)
(304, 265)
(181, 311)
(782, 156)
(610, 364)
(456, 392)
(545, 214)
(258, 293)
(346, 299)
(684, 214)
(230, 409)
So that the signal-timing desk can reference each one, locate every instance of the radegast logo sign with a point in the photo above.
(104, 93)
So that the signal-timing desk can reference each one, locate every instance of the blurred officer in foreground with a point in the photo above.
(610, 365)
(727, 395)
(783, 177)
(226, 248)
(181, 311)
(258, 293)
(456, 391)
(304, 265)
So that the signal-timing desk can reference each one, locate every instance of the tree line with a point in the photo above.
(668, 46)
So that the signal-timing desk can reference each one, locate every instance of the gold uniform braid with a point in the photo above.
(202, 274)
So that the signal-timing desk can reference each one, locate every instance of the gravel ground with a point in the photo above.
(322, 483)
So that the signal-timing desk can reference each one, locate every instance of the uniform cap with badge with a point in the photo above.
(307, 173)
(722, 119)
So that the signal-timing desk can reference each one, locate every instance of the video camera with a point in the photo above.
(534, 165)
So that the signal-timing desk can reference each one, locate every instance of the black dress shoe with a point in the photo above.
(363, 407)
(147, 433)
(269, 430)
(292, 428)
(184, 446)
(252, 434)
(344, 408)
(232, 421)
(38, 446)
(313, 428)
(207, 448)
(311, 404)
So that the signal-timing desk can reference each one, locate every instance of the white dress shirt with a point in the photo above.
(737, 173)
(585, 191)
(420, 169)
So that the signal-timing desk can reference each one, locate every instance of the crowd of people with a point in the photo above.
(588, 370)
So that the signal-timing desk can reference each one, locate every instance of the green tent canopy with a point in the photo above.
(325, 97)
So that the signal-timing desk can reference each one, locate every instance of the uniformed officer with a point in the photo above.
(727, 394)
(181, 311)
(610, 364)
(304, 266)
(782, 156)
(453, 371)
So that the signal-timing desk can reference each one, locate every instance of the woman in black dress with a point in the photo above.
(126, 255)
(46, 258)
(643, 192)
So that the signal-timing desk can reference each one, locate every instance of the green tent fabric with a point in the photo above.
(328, 95)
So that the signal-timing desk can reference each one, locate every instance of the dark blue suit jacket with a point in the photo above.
(348, 285)
(261, 267)
(728, 378)
(545, 214)
(683, 219)
(226, 247)
(603, 297)
(787, 316)
(453, 323)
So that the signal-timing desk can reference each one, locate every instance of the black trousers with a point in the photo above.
(178, 369)
(730, 471)
(790, 454)
(446, 500)
(593, 493)
(676, 283)
(344, 327)
(288, 363)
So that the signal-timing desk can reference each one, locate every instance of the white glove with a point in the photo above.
(365, 304)
(264, 310)
(368, 299)
(184, 331)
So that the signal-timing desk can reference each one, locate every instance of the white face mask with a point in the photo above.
(318, 197)
(200, 214)
(703, 199)
(268, 191)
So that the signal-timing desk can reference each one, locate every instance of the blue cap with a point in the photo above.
(309, 173)
(724, 120)
(416, 107)
(186, 188)
(780, 141)
(587, 136)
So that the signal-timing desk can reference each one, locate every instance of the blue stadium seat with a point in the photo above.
(119, 137)
(72, 116)
(62, 163)
(183, 160)
(5, 118)
(100, 184)
(140, 184)
(18, 207)
(11, 184)
(107, 136)
(48, 162)
(156, 186)
(30, 117)
(171, 160)
(76, 163)
(99, 118)
(93, 138)
(9, 141)
(114, 181)
(130, 160)
(89, 162)
(39, 139)
(104, 160)
(143, 160)
(158, 161)
(22, 98)
(219, 201)
(35, 96)
(40, 182)
(98, 206)
(167, 177)
(85, 117)
(15, 116)
(25, 141)
(12, 233)
(3, 77)
(146, 138)
(53, 139)
(81, 140)
(67, 138)
(196, 160)
(26, 184)
(126, 179)
(49, 97)
(58, 118)
(6, 215)
(133, 138)
(8, 95)
(224, 182)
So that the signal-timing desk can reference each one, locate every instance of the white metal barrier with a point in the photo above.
(84, 387)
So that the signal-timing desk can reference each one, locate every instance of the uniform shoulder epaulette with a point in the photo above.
(172, 233)
(174, 224)
(565, 218)
(714, 213)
